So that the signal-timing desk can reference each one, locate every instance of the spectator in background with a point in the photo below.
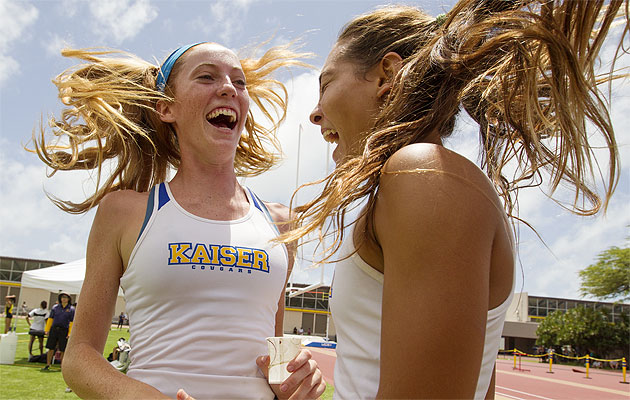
(24, 308)
(58, 327)
(9, 307)
(36, 330)
(121, 319)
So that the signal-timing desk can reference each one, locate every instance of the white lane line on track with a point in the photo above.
(525, 393)
(505, 395)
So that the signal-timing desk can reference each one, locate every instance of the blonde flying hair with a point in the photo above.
(524, 70)
(110, 114)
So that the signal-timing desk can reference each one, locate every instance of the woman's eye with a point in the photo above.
(206, 77)
(240, 82)
(323, 87)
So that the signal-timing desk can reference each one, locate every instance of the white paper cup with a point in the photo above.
(281, 351)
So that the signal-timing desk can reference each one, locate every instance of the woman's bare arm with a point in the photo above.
(85, 369)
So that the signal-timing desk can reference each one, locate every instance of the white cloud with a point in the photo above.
(15, 17)
(69, 8)
(55, 44)
(32, 226)
(226, 19)
(122, 19)
(8, 67)
(278, 184)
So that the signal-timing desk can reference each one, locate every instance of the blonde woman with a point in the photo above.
(425, 274)
(203, 284)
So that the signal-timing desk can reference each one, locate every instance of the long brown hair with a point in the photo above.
(110, 121)
(524, 70)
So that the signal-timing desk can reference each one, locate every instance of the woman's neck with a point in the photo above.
(211, 192)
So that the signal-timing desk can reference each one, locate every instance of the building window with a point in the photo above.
(295, 302)
(309, 303)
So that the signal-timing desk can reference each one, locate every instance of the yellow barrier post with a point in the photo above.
(550, 361)
(588, 365)
(514, 352)
(623, 370)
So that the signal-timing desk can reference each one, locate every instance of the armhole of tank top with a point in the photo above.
(148, 217)
(260, 205)
(263, 209)
(148, 213)
(498, 310)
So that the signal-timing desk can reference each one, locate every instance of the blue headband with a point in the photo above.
(167, 66)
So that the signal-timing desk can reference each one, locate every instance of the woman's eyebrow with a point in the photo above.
(324, 74)
(214, 66)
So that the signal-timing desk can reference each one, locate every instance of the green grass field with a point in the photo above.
(24, 380)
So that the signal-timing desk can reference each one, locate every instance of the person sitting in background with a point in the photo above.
(36, 330)
(58, 328)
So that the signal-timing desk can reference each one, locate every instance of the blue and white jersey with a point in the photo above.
(202, 296)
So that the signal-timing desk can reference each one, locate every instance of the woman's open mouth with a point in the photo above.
(222, 118)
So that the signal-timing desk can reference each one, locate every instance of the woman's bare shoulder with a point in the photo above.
(278, 210)
(122, 201)
(429, 156)
(430, 165)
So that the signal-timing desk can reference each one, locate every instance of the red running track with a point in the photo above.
(533, 383)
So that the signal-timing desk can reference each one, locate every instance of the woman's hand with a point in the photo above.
(305, 382)
(182, 395)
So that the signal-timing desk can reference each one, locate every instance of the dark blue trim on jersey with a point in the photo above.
(263, 208)
(149, 211)
(162, 196)
(255, 199)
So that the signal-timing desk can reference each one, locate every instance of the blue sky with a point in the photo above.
(33, 32)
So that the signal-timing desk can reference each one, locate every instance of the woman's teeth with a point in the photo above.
(331, 136)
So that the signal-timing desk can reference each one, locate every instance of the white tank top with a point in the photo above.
(202, 296)
(356, 301)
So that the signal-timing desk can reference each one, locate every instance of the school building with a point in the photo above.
(11, 269)
(526, 312)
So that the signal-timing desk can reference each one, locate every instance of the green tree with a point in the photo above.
(585, 330)
(609, 277)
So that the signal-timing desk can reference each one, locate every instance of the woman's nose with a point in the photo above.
(227, 89)
(316, 115)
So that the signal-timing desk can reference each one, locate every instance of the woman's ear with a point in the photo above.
(163, 109)
(389, 66)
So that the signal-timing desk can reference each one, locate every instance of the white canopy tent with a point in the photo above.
(58, 278)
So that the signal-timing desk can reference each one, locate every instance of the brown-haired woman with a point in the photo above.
(203, 284)
(426, 271)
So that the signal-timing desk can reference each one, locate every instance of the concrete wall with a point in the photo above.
(292, 319)
(517, 311)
